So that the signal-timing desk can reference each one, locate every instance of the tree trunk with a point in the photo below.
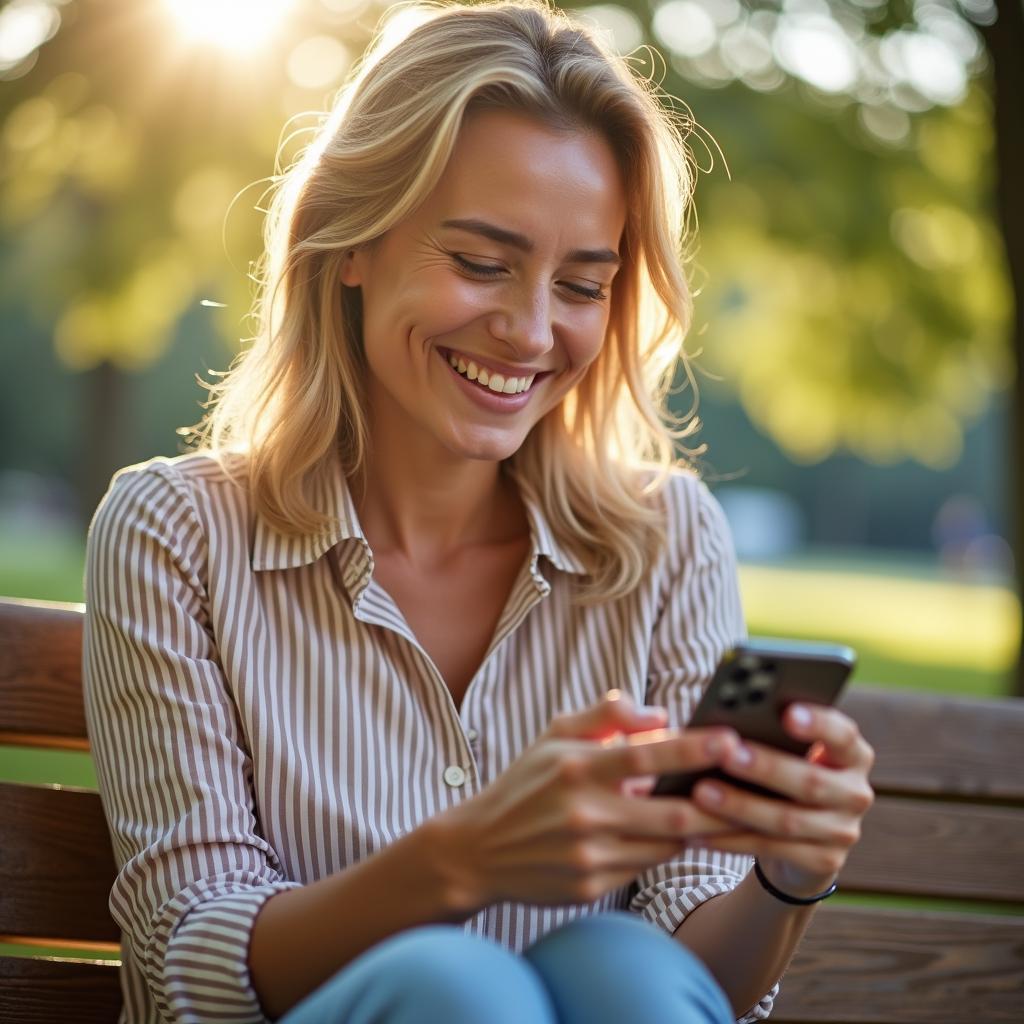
(1005, 42)
(102, 439)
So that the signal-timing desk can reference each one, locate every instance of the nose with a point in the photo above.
(524, 323)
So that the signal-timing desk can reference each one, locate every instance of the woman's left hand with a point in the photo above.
(802, 841)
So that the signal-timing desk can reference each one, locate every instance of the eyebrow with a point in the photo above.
(518, 241)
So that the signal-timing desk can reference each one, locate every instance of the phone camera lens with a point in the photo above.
(729, 694)
(741, 674)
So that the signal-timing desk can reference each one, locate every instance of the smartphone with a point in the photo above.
(752, 686)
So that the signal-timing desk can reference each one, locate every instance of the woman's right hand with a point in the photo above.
(558, 826)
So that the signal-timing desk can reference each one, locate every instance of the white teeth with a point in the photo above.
(495, 382)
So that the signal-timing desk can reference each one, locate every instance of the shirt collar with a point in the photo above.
(330, 495)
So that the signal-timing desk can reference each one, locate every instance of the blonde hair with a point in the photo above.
(294, 401)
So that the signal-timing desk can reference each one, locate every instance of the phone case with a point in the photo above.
(752, 686)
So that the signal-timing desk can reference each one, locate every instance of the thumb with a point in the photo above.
(616, 712)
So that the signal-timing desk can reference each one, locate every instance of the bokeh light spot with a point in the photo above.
(24, 26)
(318, 62)
(817, 50)
(624, 26)
(684, 27)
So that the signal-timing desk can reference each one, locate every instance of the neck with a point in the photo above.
(425, 506)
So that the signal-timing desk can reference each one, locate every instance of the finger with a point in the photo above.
(781, 819)
(657, 752)
(813, 784)
(839, 735)
(669, 818)
(816, 858)
(616, 712)
(631, 854)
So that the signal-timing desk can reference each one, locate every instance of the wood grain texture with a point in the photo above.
(56, 864)
(53, 991)
(927, 744)
(880, 967)
(41, 673)
(933, 848)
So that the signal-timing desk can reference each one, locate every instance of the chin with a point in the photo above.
(490, 450)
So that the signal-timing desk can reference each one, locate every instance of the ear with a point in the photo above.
(351, 274)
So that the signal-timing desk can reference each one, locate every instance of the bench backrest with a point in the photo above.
(948, 823)
(56, 864)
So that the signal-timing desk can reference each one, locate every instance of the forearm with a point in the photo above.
(746, 938)
(303, 936)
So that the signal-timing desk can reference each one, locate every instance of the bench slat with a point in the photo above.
(44, 991)
(56, 864)
(928, 744)
(931, 848)
(879, 966)
(41, 673)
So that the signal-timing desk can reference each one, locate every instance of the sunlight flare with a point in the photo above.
(238, 25)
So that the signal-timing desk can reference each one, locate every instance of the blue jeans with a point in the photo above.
(611, 968)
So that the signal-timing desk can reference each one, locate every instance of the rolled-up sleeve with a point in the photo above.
(173, 766)
(701, 616)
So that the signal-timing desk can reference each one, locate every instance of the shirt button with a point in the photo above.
(472, 735)
(454, 775)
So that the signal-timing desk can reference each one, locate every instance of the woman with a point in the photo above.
(360, 670)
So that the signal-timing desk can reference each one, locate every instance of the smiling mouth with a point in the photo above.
(488, 380)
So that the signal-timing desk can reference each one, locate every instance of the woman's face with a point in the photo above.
(507, 268)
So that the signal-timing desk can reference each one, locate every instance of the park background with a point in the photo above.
(855, 336)
(856, 339)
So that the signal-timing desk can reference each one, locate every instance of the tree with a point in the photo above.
(853, 277)
(861, 293)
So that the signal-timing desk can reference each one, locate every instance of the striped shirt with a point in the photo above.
(261, 715)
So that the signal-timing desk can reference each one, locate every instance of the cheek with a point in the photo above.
(436, 308)
(584, 341)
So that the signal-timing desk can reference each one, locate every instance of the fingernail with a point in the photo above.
(742, 755)
(714, 745)
(800, 715)
(710, 793)
(655, 714)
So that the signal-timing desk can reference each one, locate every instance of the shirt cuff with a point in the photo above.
(206, 964)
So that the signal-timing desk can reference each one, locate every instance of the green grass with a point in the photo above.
(42, 564)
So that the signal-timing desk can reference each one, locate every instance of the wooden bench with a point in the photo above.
(948, 823)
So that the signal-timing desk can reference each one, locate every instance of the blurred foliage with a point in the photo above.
(851, 279)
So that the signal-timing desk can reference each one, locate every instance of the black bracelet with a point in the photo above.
(797, 901)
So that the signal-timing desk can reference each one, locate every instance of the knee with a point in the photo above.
(445, 974)
(616, 962)
(611, 935)
(612, 940)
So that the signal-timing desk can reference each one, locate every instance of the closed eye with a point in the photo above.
(478, 268)
(597, 294)
(492, 271)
